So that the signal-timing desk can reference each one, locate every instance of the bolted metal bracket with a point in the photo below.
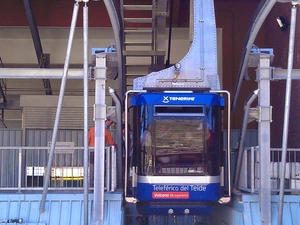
(265, 113)
(260, 114)
(253, 114)
(99, 112)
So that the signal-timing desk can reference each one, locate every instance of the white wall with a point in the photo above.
(17, 46)
(17, 50)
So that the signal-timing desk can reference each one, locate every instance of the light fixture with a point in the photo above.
(282, 23)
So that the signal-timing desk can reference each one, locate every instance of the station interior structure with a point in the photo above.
(20, 38)
(34, 34)
(41, 28)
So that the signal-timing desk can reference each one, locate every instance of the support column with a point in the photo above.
(263, 77)
(99, 118)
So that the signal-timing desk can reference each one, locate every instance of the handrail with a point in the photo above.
(249, 177)
(242, 137)
(24, 159)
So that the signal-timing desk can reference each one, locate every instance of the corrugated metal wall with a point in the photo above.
(40, 137)
(9, 158)
(36, 138)
(44, 117)
(10, 137)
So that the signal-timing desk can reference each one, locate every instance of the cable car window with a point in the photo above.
(178, 109)
(180, 146)
(178, 143)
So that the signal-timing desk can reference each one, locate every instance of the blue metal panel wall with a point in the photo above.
(66, 209)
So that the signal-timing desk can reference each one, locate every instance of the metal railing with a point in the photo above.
(249, 174)
(24, 168)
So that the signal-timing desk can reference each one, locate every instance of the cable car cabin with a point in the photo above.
(175, 160)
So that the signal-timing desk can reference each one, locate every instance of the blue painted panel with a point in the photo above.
(244, 210)
(22, 223)
(177, 99)
(66, 209)
(184, 192)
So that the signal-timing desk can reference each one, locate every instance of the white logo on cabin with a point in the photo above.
(167, 99)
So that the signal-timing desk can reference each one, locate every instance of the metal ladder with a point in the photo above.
(144, 37)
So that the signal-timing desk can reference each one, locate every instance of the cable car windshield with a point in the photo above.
(178, 140)
(174, 145)
(179, 136)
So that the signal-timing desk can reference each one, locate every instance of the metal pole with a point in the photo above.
(287, 108)
(39, 73)
(99, 117)
(59, 106)
(113, 184)
(86, 110)
(119, 136)
(242, 138)
(108, 151)
(20, 170)
(263, 78)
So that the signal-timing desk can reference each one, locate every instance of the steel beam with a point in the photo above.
(41, 57)
(39, 73)
(281, 74)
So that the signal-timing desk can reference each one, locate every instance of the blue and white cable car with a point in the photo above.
(176, 164)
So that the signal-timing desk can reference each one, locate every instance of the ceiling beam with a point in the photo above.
(42, 58)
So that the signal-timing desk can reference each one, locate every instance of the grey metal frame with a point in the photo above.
(263, 77)
(251, 166)
(265, 74)
(111, 173)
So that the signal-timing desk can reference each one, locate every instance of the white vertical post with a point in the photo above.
(108, 152)
(99, 117)
(20, 170)
(86, 109)
(264, 139)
